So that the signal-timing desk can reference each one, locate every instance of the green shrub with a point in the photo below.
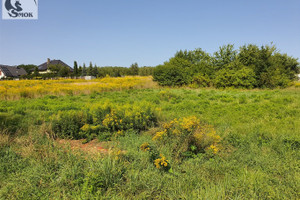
(243, 78)
(224, 78)
(201, 80)
(67, 124)
(273, 79)
(176, 72)
(249, 67)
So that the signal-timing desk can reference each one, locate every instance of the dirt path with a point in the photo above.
(93, 147)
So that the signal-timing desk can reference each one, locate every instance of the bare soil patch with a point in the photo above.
(93, 147)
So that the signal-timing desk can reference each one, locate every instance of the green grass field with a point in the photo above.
(258, 158)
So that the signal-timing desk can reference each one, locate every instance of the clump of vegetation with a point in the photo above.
(162, 163)
(105, 118)
(10, 122)
(249, 67)
(187, 136)
(68, 124)
(129, 117)
(103, 176)
(159, 160)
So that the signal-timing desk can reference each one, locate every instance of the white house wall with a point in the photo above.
(2, 75)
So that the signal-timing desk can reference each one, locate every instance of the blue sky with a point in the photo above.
(121, 32)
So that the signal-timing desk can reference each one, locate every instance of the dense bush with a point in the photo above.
(172, 74)
(224, 78)
(243, 78)
(67, 124)
(248, 67)
(200, 80)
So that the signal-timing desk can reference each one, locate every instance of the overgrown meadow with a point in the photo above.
(161, 143)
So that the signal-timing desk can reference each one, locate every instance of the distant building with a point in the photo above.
(44, 68)
(11, 72)
(88, 77)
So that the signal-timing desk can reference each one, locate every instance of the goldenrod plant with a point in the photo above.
(188, 134)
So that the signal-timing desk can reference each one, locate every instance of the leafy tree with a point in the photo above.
(200, 60)
(286, 65)
(36, 72)
(146, 71)
(224, 56)
(63, 71)
(134, 69)
(54, 68)
(201, 80)
(28, 68)
(176, 72)
(60, 70)
(271, 68)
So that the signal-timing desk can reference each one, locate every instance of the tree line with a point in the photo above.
(248, 67)
(91, 70)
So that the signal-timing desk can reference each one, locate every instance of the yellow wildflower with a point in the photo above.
(161, 162)
(159, 135)
(213, 148)
(190, 123)
(120, 132)
(145, 147)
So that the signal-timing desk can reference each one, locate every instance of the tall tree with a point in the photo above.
(63, 71)
(36, 72)
(224, 56)
(83, 73)
(134, 69)
(75, 68)
(95, 71)
(90, 70)
(80, 70)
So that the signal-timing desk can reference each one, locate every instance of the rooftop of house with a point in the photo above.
(44, 66)
(11, 71)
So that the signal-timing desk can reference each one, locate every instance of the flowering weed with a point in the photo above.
(188, 135)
